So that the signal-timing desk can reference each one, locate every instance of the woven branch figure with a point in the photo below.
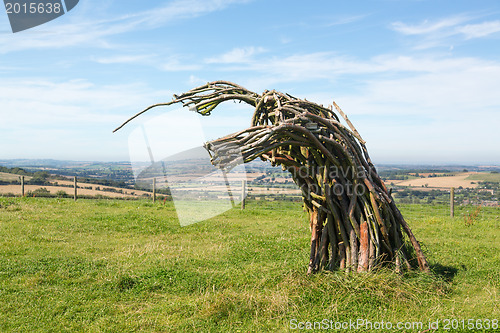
(355, 224)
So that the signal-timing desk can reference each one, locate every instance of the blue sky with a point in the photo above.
(419, 79)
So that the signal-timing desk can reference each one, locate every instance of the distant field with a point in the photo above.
(10, 177)
(445, 182)
(485, 177)
(269, 189)
(441, 182)
(91, 189)
(127, 266)
(16, 189)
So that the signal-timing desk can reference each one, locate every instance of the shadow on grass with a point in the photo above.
(447, 273)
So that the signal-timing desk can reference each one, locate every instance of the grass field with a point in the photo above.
(464, 179)
(66, 186)
(10, 177)
(120, 266)
(486, 177)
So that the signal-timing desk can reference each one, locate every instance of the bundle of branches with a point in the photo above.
(355, 224)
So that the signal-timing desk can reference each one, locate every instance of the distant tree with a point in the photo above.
(39, 192)
(61, 194)
(39, 178)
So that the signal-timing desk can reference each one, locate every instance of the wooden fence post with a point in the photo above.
(154, 190)
(452, 202)
(76, 191)
(243, 189)
(22, 186)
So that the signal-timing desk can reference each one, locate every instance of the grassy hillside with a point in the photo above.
(486, 177)
(118, 266)
(12, 177)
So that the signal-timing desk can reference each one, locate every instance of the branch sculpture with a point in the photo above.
(355, 224)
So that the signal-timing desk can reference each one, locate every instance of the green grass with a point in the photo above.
(10, 177)
(493, 177)
(120, 266)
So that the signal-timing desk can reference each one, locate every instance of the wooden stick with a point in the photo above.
(364, 249)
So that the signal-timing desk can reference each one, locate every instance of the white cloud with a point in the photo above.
(196, 81)
(171, 63)
(445, 83)
(123, 59)
(174, 64)
(86, 30)
(427, 27)
(461, 92)
(43, 103)
(293, 68)
(236, 55)
(445, 31)
(184, 9)
(286, 40)
(331, 66)
(68, 120)
(345, 20)
(480, 30)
